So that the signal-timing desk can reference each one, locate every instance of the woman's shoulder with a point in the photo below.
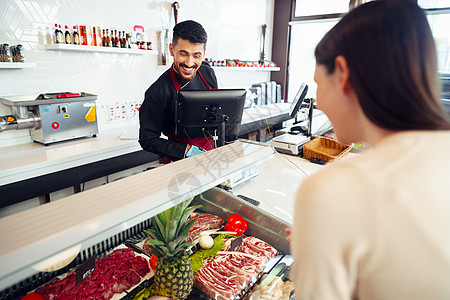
(347, 178)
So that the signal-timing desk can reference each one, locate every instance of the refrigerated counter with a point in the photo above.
(31, 170)
(101, 218)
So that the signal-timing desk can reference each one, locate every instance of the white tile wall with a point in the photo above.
(233, 27)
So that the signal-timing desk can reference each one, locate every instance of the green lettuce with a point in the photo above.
(199, 255)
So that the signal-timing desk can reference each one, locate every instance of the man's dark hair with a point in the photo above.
(191, 31)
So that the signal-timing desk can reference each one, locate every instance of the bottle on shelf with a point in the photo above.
(124, 40)
(116, 40)
(103, 38)
(67, 36)
(76, 36)
(61, 34)
(107, 39)
(128, 40)
(58, 34)
(113, 40)
(119, 40)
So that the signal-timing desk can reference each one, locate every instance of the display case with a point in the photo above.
(117, 210)
(98, 220)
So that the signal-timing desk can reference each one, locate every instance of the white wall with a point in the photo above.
(233, 27)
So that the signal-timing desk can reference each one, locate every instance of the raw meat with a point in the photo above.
(229, 273)
(204, 222)
(113, 273)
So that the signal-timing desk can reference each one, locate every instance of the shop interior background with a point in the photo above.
(234, 29)
(233, 26)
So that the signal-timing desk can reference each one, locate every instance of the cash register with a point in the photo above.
(291, 141)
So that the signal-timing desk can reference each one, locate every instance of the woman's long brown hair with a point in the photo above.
(391, 55)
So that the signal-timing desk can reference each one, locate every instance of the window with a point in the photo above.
(434, 3)
(304, 38)
(313, 18)
(440, 23)
(320, 7)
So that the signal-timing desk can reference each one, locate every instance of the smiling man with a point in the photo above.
(188, 72)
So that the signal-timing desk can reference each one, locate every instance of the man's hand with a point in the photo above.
(194, 150)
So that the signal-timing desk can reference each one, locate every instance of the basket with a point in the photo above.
(325, 149)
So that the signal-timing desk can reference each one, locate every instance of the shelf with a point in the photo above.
(244, 69)
(248, 69)
(81, 48)
(16, 65)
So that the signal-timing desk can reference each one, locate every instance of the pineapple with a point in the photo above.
(173, 274)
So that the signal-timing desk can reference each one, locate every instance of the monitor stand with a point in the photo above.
(220, 120)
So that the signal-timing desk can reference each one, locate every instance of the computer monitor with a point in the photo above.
(207, 112)
(295, 107)
(298, 100)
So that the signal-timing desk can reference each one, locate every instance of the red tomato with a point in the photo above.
(236, 223)
(153, 260)
(33, 296)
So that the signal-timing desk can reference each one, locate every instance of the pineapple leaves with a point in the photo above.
(171, 230)
(150, 232)
(154, 242)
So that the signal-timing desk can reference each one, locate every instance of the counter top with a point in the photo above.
(29, 160)
(277, 183)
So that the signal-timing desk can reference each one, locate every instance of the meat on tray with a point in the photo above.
(114, 273)
(226, 275)
(203, 221)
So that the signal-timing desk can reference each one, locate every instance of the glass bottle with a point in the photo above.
(67, 36)
(124, 40)
(58, 39)
(116, 40)
(103, 38)
(108, 39)
(76, 37)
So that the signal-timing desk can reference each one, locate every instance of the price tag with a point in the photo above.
(85, 269)
(236, 243)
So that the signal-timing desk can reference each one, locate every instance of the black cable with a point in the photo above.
(212, 137)
(185, 132)
(210, 146)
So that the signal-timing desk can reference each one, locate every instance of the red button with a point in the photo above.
(55, 125)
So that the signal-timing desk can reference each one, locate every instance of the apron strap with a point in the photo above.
(174, 79)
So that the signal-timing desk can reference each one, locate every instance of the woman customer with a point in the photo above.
(377, 226)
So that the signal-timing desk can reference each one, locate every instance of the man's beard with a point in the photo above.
(179, 69)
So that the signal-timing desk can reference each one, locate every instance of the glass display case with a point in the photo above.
(101, 219)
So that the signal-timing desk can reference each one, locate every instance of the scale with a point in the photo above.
(292, 141)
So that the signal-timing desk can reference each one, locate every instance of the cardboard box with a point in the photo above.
(89, 35)
(97, 36)
(82, 33)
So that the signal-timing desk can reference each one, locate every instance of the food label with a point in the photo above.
(85, 269)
